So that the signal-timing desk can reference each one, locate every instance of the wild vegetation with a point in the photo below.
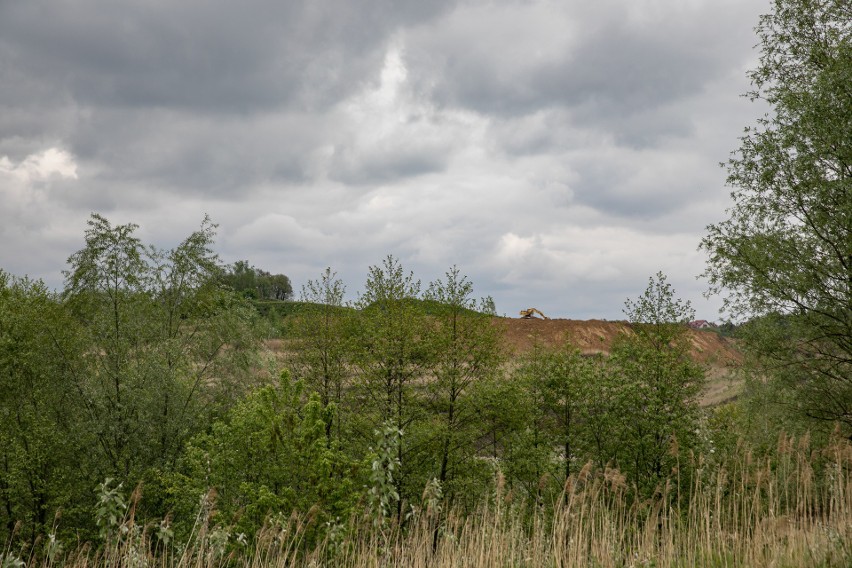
(143, 422)
(146, 425)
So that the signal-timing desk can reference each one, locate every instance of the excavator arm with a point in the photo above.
(530, 314)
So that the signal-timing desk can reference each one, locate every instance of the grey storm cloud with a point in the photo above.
(230, 57)
(184, 90)
(558, 151)
(609, 68)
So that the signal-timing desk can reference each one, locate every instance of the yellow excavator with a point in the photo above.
(530, 314)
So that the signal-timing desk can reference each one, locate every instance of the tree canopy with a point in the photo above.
(256, 283)
(784, 255)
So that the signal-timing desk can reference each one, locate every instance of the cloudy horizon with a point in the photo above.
(558, 152)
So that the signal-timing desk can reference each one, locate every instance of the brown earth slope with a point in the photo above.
(597, 336)
(718, 354)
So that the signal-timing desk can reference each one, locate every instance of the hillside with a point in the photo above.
(596, 336)
(718, 353)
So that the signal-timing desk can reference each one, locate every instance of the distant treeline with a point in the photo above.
(257, 284)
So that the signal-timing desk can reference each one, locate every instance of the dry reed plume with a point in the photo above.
(792, 510)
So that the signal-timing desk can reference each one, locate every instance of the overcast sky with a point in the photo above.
(559, 152)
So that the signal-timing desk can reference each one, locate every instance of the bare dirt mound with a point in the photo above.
(597, 336)
(589, 336)
(718, 354)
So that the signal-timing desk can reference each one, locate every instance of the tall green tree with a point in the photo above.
(465, 353)
(392, 357)
(783, 258)
(656, 400)
(568, 379)
(166, 345)
(323, 344)
(567, 412)
(242, 277)
(529, 451)
(39, 436)
(601, 388)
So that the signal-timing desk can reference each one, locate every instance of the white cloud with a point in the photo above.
(27, 184)
(34, 225)
(587, 272)
(388, 132)
(40, 166)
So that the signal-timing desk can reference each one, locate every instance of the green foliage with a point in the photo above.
(465, 352)
(748, 511)
(657, 400)
(256, 284)
(570, 409)
(530, 450)
(140, 352)
(323, 348)
(601, 412)
(40, 438)
(635, 410)
(391, 357)
(382, 496)
(567, 380)
(785, 253)
(268, 456)
(145, 368)
(159, 329)
(501, 412)
(111, 509)
(658, 317)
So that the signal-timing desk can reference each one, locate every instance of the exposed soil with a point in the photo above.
(718, 354)
(597, 336)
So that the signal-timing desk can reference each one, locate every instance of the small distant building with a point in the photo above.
(702, 324)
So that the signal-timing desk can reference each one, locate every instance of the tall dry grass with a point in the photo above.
(794, 509)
